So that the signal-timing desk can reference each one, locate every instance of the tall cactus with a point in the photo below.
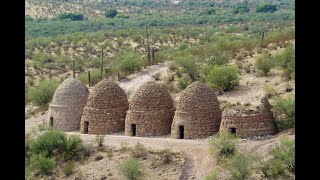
(89, 79)
(102, 63)
(153, 56)
(148, 48)
(50, 75)
(73, 69)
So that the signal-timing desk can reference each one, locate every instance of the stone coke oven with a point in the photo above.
(67, 104)
(150, 111)
(106, 109)
(249, 123)
(198, 114)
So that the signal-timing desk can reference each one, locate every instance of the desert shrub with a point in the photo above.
(264, 64)
(131, 169)
(285, 153)
(282, 160)
(50, 141)
(223, 144)
(95, 77)
(165, 156)
(128, 62)
(239, 166)
(211, 176)
(269, 90)
(124, 146)
(43, 93)
(286, 60)
(223, 78)
(218, 59)
(42, 163)
(70, 146)
(183, 82)
(99, 140)
(111, 13)
(72, 16)
(47, 143)
(188, 65)
(183, 46)
(284, 108)
(266, 8)
(68, 168)
(240, 9)
(139, 150)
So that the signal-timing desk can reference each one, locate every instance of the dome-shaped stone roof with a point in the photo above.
(151, 96)
(107, 95)
(197, 97)
(71, 92)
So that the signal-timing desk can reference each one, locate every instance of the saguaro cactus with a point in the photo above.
(148, 48)
(153, 56)
(89, 79)
(102, 63)
(73, 69)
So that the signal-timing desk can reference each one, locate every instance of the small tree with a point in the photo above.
(284, 108)
(223, 78)
(111, 13)
(264, 64)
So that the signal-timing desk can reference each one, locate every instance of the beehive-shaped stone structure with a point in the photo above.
(67, 104)
(106, 109)
(249, 123)
(150, 111)
(198, 114)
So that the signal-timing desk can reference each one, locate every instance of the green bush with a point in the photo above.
(51, 141)
(286, 60)
(47, 143)
(223, 144)
(284, 108)
(285, 153)
(188, 65)
(223, 78)
(266, 8)
(269, 90)
(70, 146)
(72, 16)
(127, 62)
(211, 176)
(264, 64)
(42, 163)
(95, 77)
(111, 13)
(183, 82)
(131, 169)
(139, 150)
(43, 93)
(240, 9)
(239, 166)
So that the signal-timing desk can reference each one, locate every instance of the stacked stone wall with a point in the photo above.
(198, 112)
(151, 109)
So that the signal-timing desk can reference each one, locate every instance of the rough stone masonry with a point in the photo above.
(249, 123)
(106, 109)
(67, 104)
(198, 113)
(150, 111)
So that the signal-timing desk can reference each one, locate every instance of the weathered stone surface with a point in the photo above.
(250, 123)
(67, 105)
(106, 109)
(151, 109)
(197, 111)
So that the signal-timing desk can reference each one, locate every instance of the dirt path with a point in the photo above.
(135, 80)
